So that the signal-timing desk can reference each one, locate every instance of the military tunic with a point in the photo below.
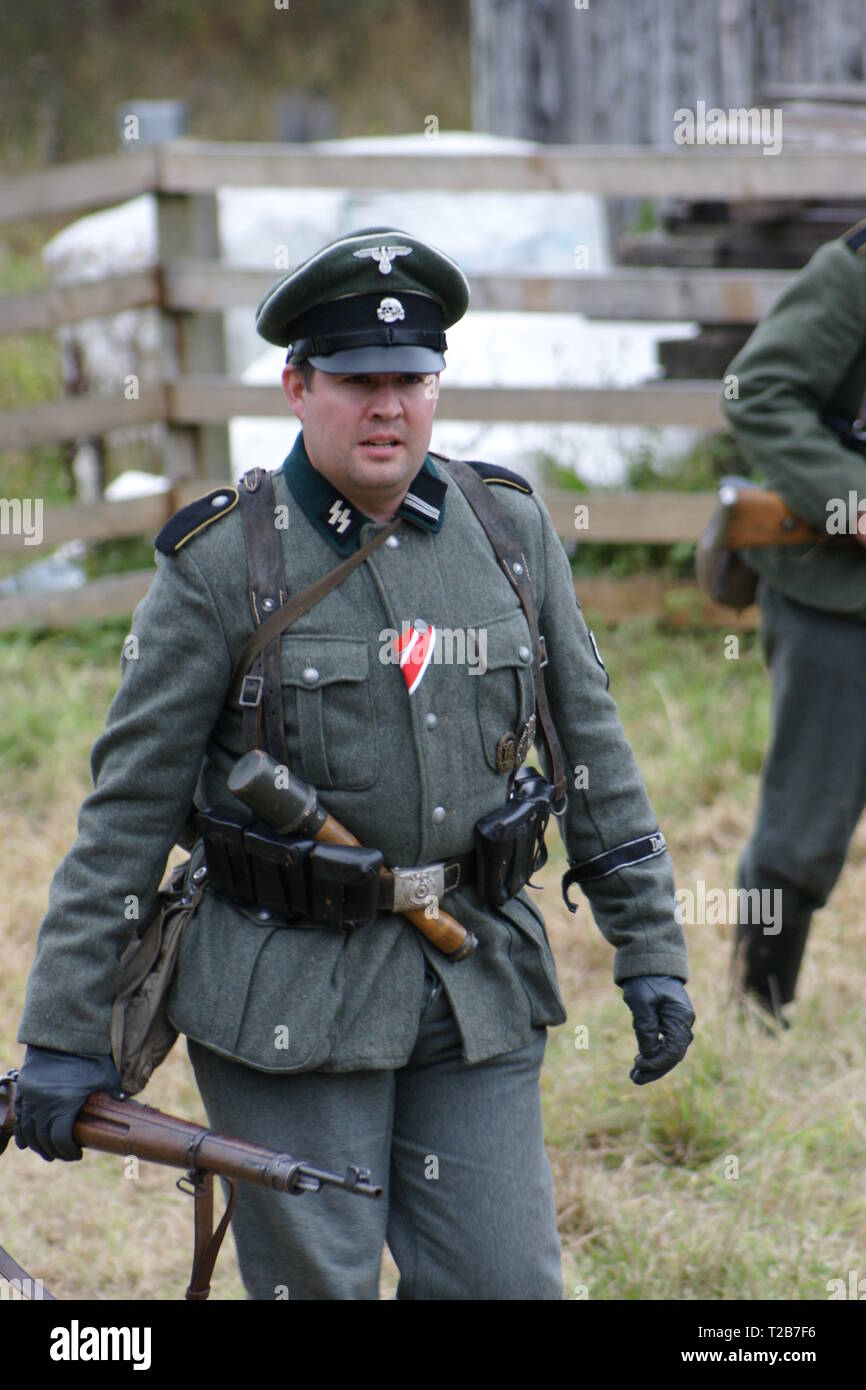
(805, 359)
(407, 774)
(803, 365)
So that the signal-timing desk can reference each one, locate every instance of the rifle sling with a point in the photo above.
(266, 582)
(207, 1241)
(10, 1269)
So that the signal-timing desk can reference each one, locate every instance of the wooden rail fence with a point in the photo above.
(190, 289)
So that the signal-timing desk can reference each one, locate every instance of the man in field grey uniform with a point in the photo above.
(370, 1043)
(801, 380)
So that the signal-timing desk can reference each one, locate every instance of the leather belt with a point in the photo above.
(402, 888)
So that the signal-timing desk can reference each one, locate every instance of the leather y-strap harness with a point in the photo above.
(506, 546)
(256, 677)
(262, 700)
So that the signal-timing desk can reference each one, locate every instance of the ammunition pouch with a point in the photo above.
(344, 885)
(509, 842)
(295, 877)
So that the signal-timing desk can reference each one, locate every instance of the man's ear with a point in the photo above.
(294, 389)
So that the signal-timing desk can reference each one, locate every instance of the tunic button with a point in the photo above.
(393, 542)
(264, 915)
(439, 814)
(431, 721)
(309, 675)
(517, 568)
(268, 604)
(524, 653)
(219, 501)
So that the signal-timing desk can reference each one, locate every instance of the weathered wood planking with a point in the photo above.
(712, 296)
(191, 343)
(79, 416)
(653, 518)
(689, 403)
(40, 311)
(101, 598)
(626, 171)
(709, 296)
(79, 185)
(680, 604)
(616, 73)
(101, 521)
(215, 400)
(687, 171)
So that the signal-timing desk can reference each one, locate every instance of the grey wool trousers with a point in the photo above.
(813, 786)
(468, 1211)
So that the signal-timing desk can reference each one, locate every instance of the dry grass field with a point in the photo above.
(651, 1203)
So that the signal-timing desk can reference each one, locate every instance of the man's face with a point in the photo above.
(368, 434)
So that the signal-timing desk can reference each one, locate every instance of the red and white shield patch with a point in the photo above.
(415, 650)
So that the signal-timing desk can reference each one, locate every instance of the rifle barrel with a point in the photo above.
(129, 1128)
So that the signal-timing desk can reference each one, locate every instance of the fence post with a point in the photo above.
(192, 343)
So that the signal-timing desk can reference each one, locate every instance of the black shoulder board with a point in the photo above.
(194, 518)
(856, 238)
(492, 473)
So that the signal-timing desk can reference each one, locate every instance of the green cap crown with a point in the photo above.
(376, 262)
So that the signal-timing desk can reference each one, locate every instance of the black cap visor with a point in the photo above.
(420, 360)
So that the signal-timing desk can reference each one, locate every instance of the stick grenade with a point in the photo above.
(294, 809)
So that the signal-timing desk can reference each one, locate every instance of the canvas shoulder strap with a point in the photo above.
(506, 545)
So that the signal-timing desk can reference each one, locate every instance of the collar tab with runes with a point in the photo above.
(338, 520)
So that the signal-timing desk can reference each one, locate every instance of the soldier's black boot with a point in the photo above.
(766, 964)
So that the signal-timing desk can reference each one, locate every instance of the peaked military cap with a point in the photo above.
(377, 300)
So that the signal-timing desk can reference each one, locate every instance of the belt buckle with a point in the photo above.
(414, 887)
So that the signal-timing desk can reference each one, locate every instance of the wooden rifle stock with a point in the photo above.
(129, 1128)
(749, 516)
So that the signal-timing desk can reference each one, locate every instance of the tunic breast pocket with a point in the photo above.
(505, 690)
(329, 712)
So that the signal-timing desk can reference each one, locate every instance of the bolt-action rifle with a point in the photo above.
(126, 1127)
(748, 516)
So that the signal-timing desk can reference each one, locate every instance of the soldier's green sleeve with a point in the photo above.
(608, 805)
(793, 365)
(144, 767)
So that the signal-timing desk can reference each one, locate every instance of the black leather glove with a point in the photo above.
(659, 1005)
(52, 1087)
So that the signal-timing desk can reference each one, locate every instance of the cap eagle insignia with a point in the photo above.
(383, 255)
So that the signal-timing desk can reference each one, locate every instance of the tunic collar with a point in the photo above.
(339, 520)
